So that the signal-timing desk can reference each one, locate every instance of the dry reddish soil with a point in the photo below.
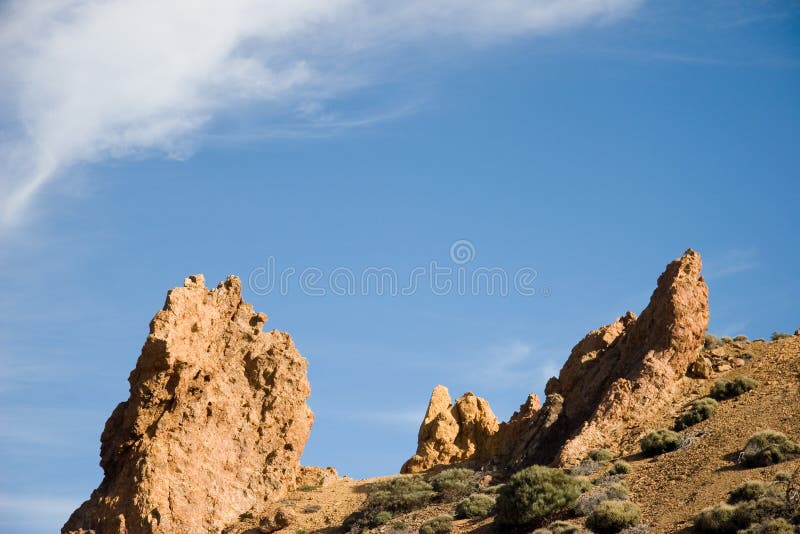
(670, 488)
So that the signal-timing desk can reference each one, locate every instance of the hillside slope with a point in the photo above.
(670, 488)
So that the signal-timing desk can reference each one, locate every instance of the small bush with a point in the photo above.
(727, 389)
(307, 487)
(768, 447)
(779, 335)
(454, 484)
(660, 441)
(772, 526)
(600, 455)
(621, 467)
(381, 518)
(746, 356)
(559, 527)
(613, 516)
(716, 520)
(752, 490)
(397, 495)
(476, 505)
(741, 337)
(700, 410)
(589, 501)
(726, 339)
(493, 490)
(442, 524)
(711, 342)
(754, 512)
(536, 494)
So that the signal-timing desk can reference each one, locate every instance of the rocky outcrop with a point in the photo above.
(214, 426)
(453, 433)
(609, 390)
(614, 379)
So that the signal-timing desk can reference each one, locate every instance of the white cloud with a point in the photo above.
(730, 262)
(85, 80)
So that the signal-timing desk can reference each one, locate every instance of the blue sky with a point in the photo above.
(592, 143)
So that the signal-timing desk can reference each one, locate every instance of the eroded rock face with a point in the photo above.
(215, 424)
(614, 379)
(608, 392)
(453, 433)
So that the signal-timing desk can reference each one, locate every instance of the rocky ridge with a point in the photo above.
(614, 378)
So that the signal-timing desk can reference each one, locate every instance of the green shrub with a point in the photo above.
(768, 447)
(442, 524)
(779, 335)
(476, 505)
(772, 526)
(746, 356)
(455, 483)
(754, 512)
(397, 495)
(700, 410)
(589, 501)
(307, 487)
(559, 527)
(741, 337)
(493, 490)
(536, 494)
(752, 490)
(621, 467)
(600, 455)
(716, 520)
(726, 339)
(711, 342)
(727, 389)
(612, 516)
(381, 518)
(660, 441)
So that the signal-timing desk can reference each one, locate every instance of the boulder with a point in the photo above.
(214, 426)
(453, 433)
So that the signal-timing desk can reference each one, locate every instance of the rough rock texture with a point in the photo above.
(453, 433)
(614, 379)
(607, 390)
(214, 426)
(316, 476)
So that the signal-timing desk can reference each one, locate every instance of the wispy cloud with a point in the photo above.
(512, 363)
(85, 80)
(729, 263)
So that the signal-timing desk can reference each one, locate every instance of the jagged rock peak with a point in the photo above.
(214, 426)
(453, 433)
(614, 379)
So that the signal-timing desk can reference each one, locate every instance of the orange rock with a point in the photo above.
(215, 424)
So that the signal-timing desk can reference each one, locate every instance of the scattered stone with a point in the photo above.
(701, 368)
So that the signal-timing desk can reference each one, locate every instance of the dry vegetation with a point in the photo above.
(664, 492)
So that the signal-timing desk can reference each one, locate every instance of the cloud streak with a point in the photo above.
(86, 80)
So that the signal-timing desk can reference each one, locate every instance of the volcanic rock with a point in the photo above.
(453, 433)
(614, 379)
(214, 426)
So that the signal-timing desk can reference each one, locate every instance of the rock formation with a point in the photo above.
(453, 433)
(615, 378)
(214, 426)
